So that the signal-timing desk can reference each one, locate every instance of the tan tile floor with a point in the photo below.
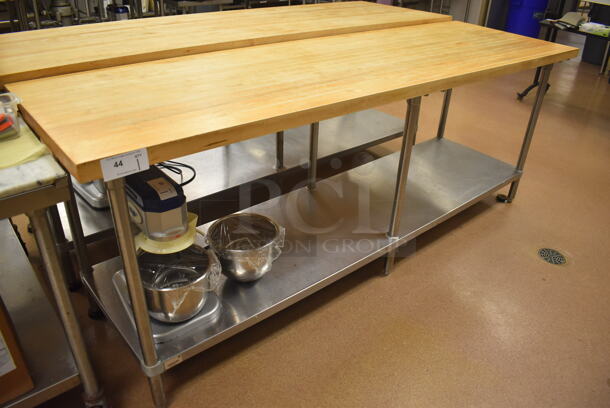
(472, 319)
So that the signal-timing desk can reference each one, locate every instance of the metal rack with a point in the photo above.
(32, 188)
(50, 362)
(435, 180)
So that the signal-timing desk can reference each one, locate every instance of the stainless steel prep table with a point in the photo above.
(32, 188)
(444, 177)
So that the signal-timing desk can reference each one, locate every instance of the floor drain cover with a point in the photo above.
(552, 256)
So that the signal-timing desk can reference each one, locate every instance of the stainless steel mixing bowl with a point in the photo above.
(176, 285)
(246, 244)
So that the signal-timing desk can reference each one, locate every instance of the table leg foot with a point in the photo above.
(158, 393)
(97, 401)
(389, 262)
(503, 198)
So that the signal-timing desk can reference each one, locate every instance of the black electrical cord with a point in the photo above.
(177, 168)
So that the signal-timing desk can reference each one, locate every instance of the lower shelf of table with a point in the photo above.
(330, 232)
(38, 329)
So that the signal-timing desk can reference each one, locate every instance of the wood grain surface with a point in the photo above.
(183, 105)
(40, 53)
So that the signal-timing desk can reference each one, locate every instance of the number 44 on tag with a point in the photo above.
(124, 164)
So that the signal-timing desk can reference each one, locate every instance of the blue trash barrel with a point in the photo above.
(524, 17)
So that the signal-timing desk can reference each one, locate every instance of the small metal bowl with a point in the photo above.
(176, 285)
(246, 244)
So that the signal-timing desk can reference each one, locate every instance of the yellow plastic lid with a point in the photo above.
(144, 243)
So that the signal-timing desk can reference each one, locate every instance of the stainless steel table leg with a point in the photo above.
(22, 15)
(441, 124)
(122, 225)
(94, 396)
(467, 12)
(36, 14)
(138, 5)
(100, 9)
(12, 15)
(78, 237)
(80, 247)
(72, 279)
(279, 150)
(487, 13)
(313, 155)
(529, 133)
(604, 66)
(408, 139)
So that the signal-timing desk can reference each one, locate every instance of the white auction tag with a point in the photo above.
(124, 164)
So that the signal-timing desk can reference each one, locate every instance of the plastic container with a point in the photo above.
(524, 17)
(9, 118)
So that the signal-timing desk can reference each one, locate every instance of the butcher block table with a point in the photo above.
(41, 53)
(163, 108)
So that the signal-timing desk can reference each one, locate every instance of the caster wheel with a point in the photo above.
(502, 198)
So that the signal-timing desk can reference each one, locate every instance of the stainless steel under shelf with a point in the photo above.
(38, 329)
(330, 232)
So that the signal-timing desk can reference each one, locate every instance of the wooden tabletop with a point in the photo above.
(178, 106)
(40, 53)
